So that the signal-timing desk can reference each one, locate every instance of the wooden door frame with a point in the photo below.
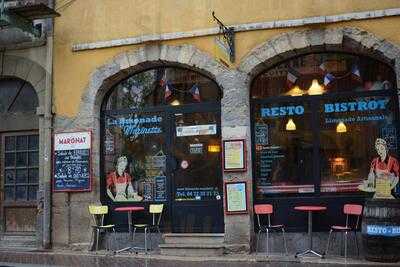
(3, 204)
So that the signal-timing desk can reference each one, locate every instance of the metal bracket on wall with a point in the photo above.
(229, 36)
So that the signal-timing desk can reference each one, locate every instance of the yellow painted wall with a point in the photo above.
(98, 20)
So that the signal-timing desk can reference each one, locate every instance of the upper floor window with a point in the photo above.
(324, 73)
(17, 95)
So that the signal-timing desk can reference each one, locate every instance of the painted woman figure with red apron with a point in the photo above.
(384, 166)
(119, 183)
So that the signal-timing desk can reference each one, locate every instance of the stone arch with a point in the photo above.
(347, 39)
(127, 63)
(25, 69)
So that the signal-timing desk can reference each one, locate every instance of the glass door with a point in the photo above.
(196, 173)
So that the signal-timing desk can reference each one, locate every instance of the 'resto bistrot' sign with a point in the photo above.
(72, 165)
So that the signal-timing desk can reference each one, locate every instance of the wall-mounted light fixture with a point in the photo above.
(341, 127)
(295, 91)
(315, 88)
(175, 103)
(290, 125)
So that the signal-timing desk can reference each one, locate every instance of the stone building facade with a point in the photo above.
(90, 61)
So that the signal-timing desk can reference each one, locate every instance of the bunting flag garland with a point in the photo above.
(195, 92)
(328, 78)
(168, 92)
(355, 73)
(163, 80)
(291, 77)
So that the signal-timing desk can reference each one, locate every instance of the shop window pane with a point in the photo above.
(9, 193)
(22, 159)
(33, 175)
(283, 148)
(10, 143)
(22, 176)
(10, 176)
(9, 159)
(134, 157)
(22, 142)
(148, 88)
(32, 192)
(323, 73)
(21, 193)
(350, 127)
(33, 159)
(33, 142)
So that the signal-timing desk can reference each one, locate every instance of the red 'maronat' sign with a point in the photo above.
(71, 162)
(72, 141)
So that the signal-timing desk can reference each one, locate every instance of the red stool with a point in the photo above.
(267, 209)
(349, 210)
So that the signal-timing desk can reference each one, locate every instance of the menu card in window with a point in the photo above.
(236, 197)
(72, 168)
(234, 154)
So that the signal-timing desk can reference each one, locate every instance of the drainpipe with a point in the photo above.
(47, 132)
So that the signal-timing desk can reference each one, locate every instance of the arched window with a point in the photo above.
(17, 96)
(316, 119)
(161, 139)
(162, 86)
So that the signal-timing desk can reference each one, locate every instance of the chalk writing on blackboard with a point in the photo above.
(72, 170)
(160, 188)
(269, 158)
(148, 191)
(261, 134)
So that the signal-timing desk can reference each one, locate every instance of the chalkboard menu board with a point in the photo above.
(160, 188)
(261, 134)
(269, 158)
(72, 169)
(148, 191)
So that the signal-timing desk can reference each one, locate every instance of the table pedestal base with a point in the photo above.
(309, 251)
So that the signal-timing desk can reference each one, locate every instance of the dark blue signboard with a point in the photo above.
(72, 170)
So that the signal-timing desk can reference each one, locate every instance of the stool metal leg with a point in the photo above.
(267, 230)
(115, 237)
(258, 239)
(329, 239)
(356, 239)
(145, 240)
(345, 245)
(97, 238)
(284, 240)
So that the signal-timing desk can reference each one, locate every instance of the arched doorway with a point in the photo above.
(19, 160)
(161, 144)
(315, 121)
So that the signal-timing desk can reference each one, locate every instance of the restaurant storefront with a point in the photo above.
(308, 105)
(315, 122)
(161, 135)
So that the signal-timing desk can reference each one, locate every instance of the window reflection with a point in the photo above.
(162, 86)
(348, 104)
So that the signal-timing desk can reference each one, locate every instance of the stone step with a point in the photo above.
(177, 249)
(193, 238)
(18, 241)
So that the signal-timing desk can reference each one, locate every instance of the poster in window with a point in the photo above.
(235, 197)
(234, 155)
(383, 174)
